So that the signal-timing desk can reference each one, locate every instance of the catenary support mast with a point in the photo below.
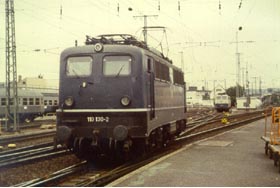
(11, 68)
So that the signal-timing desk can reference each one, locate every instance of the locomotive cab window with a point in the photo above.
(79, 66)
(117, 65)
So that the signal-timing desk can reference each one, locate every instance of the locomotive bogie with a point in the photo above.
(111, 133)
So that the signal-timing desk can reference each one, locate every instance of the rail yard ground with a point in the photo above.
(234, 158)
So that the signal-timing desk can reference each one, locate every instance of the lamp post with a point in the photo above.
(238, 65)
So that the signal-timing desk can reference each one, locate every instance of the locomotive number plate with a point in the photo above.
(98, 119)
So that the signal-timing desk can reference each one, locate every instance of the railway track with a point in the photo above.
(87, 176)
(23, 137)
(217, 121)
(33, 124)
(200, 114)
(204, 119)
(216, 126)
(84, 175)
(24, 155)
(77, 168)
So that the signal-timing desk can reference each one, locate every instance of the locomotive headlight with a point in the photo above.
(69, 101)
(125, 101)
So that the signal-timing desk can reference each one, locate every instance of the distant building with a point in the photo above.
(272, 90)
(37, 83)
(198, 98)
(248, 103)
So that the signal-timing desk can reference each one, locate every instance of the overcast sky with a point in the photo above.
(203, 32)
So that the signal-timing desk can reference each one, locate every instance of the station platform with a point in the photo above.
(234, 158)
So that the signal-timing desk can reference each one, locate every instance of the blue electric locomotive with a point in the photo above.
(118, 96)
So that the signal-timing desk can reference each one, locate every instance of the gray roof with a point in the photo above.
(22, 93)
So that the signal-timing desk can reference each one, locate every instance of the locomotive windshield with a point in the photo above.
(79, 66)
(117, 65)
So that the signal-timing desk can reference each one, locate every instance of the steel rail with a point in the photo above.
(35, 124)
(217, 119)
(22, 154)
(16, 150)
(18, 138)
(44, 153)
(218, 129)
(54, 176)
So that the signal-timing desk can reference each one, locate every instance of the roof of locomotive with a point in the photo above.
(122, 43)
(86, 49)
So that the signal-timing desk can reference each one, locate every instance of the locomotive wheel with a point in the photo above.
(76, 147)
(82, 148)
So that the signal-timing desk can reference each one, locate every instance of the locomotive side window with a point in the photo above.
(158, 70)
(171, 75)
(162, 71)
(117, 65)
(178, 77)
(79, 66)
(149, 65)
